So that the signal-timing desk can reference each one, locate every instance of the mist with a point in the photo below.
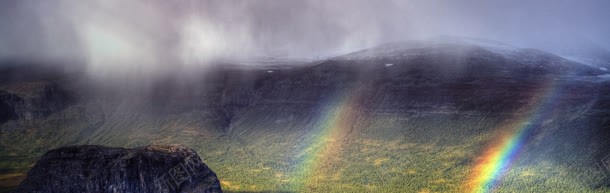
(305, 95)
(112, 37)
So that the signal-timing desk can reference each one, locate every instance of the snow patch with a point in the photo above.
(584, 61)
(604, 76)
(388, 65)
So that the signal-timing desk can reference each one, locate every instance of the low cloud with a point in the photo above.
(120, 37)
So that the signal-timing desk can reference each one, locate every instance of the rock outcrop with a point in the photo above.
(156, 168)
(33, 100)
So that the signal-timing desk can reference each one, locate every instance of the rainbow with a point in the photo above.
(318, 156)
(504, 150)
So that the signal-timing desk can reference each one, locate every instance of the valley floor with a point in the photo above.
(369, 160)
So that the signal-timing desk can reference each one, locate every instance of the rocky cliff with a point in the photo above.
(169, 168)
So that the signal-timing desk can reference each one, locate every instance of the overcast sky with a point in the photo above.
(106, 34)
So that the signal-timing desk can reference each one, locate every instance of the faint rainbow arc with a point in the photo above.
(338, 114)
(498, 157)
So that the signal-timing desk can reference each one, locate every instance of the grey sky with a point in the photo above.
(105, 34)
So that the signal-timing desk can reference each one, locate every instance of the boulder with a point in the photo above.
(91, 168)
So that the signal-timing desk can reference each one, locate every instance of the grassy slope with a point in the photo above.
(386, 154)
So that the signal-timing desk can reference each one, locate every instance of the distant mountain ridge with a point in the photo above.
(463, 48)
(254, 123)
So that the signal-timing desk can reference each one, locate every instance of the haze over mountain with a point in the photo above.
(425, 106)
(109, 38)
(315, 95)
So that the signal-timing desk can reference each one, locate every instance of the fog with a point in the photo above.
(147, 36)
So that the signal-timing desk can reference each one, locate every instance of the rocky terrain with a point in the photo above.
(104, 169)
(418, 112)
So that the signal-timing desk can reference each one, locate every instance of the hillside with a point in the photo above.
(410, 116)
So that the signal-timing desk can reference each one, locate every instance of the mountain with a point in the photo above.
(427, 111)
(583, 51)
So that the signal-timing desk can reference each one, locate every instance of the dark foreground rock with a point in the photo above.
(147, 169)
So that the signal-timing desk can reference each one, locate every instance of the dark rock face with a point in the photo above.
(7, 101)
(6, 111)
(32, 100)
(169, 168)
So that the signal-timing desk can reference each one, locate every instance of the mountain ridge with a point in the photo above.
(254, 124)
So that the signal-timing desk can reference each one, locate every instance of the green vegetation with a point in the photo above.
(384, 154)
